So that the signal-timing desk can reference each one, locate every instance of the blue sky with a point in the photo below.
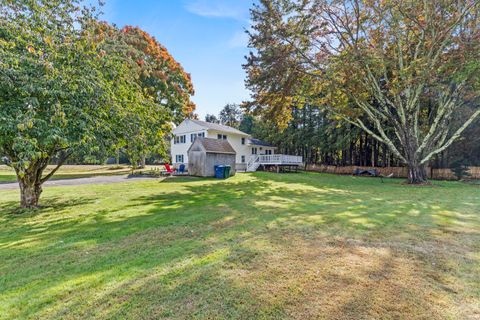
(206, 36)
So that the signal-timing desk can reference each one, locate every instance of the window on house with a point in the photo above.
(268, 151)
(254, 150)
(179, 158)
(179, 139)
(243, 140)
(243, 159)
(221, 137)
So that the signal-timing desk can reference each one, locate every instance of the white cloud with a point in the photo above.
(233, 9)
(239, 40)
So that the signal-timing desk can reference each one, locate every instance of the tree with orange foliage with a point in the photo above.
(154, 90)
(162, 77)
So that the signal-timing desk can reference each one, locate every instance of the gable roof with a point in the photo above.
(188, 125)
(218, 127)
(214, 145)
(259, 142)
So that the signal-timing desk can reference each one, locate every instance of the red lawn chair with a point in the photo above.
(168, 170)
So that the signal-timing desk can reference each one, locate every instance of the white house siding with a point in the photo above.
(182, 148)
(235, 141)
(188, 127)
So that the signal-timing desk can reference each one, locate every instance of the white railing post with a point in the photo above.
(274, 159)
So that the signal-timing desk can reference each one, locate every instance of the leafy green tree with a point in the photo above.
(163, 94)
(211, 118)
(52, 94)
(230, 115)
(247, 123)
(69, 84)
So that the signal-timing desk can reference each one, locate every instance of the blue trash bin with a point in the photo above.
(219, 172)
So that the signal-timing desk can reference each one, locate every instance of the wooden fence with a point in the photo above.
(398, 172)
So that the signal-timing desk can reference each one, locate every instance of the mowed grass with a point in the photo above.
(255, 246)
(7, 174)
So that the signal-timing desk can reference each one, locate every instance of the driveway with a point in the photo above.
(80, 181)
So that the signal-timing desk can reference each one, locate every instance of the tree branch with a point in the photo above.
(60, 163)
(445, 109)
(452, 139)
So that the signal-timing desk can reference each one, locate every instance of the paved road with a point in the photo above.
(80, 181)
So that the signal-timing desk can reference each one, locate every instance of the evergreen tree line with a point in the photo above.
(321, 139)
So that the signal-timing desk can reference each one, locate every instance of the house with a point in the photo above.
(244, 145)
(205, 153)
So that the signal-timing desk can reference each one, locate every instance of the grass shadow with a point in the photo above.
(246, 247)
(12, 211)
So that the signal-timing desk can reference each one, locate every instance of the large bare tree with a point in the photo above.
(410, 67)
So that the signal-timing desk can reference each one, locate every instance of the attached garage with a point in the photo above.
(206, 153)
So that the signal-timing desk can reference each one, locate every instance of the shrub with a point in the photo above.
(460, 169)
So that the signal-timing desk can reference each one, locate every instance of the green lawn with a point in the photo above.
(7, 174)
(256, 246)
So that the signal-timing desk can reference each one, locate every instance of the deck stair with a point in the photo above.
(253, 163)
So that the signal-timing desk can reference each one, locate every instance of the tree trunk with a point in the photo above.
(351, 154)
(384, 155)
(372, 158)
(374, 153)
(366, 148)
(30, 179)
(360, 150)
(416, 174)
(354, 155)
(29, 193)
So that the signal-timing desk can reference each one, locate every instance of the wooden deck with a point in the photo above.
(277, 160)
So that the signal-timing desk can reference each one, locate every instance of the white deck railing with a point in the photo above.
(279, 159)
(272, 159)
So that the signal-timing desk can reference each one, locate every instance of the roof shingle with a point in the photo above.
(259, 142)
(216, 145)
(218, 127)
